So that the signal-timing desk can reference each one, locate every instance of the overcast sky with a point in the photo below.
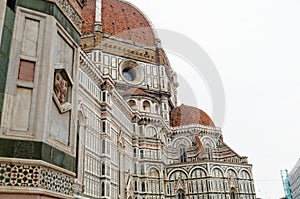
(255, 46)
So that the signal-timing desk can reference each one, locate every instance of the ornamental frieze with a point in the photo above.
(70, 12)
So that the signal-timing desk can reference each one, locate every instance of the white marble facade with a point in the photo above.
(132, 152)
(112, 114)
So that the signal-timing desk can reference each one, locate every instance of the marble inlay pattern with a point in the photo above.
(35, 176)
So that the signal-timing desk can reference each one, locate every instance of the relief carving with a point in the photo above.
(62, 90)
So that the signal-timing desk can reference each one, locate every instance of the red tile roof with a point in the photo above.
(185, 115)
(134, 91)
(121, 19)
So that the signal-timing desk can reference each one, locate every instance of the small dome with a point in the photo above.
(185, 115)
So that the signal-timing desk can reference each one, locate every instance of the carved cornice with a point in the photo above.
(70, 12)
(121, 104)
(90, 69)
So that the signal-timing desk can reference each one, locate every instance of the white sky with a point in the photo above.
(255, 45)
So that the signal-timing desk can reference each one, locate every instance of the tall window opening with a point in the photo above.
(143, 187)
(182, 152)
(180, 194)
(146, 106)
(103, 189)
(232, 193)
(132, 104)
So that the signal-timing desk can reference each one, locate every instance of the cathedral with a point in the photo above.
(88, 108)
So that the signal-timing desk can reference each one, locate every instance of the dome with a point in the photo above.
(122, 19)
(185, 115)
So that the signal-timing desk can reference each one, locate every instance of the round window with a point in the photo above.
(128, 74)
(131, 72)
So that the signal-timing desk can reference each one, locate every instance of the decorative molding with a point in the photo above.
(70, 13)
(90, 69)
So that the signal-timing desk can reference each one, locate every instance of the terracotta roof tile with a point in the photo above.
(185, 115)
(134, 91)
(121, 19)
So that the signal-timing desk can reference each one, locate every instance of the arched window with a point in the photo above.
(245, 175)
(231, 174)
(107, 189)
(208, 151)
(156, 108)
(208, 144)
(198, 173)
(217, 173)
(232, 193)
(132, 104)
(154, 181)
(181, 194)
(103, 189)
(108, 147)
(154, 173)
(103, 168)
(103, 146)
(146, 106)
(247, 183)
(135, 185)
(135, 168)
(143, 187)
(108, 170)
(142, 169)
(182, 152)
(151, 131)
(134, 152)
